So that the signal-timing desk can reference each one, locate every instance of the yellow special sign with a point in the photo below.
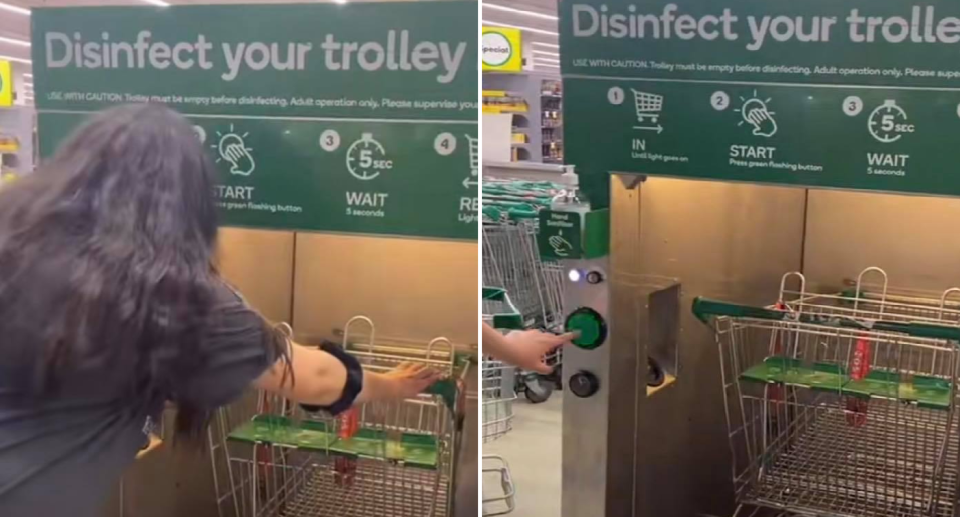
(6, 84)
(501, 49)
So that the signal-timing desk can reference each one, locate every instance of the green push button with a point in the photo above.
(590, 325)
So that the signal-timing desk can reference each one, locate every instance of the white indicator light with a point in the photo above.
(574, 275)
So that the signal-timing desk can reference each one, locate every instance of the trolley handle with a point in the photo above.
(705, 310)
(510, 319)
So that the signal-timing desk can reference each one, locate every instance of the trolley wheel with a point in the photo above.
(655, 376)
(537, 388)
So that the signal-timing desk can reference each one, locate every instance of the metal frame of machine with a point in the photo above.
(626, 444)
(729, 241)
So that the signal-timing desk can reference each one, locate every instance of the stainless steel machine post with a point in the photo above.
(665, 455)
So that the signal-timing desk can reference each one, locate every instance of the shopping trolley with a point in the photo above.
(648, 105)
(511, 260)
(497, 396)
(511, 256)
(383, 459)
(842, 404)
(474, 155)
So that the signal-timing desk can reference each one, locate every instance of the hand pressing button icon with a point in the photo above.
(232, 149)
(755, 112)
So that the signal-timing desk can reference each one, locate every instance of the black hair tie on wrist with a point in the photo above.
(351, 389)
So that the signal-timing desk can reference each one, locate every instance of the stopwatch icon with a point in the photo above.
(888, 122)
(366, 158)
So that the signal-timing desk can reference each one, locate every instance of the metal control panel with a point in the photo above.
(627, 320)
(586, 454)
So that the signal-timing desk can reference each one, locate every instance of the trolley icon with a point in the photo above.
(474, 162)
(474, 155)
(648, 106)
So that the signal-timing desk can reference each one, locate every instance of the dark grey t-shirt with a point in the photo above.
(62, 457)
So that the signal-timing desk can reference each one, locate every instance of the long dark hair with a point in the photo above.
(105, 262)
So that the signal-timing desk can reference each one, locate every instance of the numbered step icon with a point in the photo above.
(720, 100)
(615, 95)
(852, 105)
(200, 133)
(330, 140)
(445, 144)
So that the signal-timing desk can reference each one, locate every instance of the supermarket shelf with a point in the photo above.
(505, 109)
(541, 96)
(501, 93)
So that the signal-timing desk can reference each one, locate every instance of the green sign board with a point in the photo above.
(358, 118)
(559, 236)
(822, 93)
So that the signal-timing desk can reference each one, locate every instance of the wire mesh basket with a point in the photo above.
(842, 404)
(497, 394)
(383, 459)
(498, 390)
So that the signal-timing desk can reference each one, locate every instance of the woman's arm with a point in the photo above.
(523, 348)
(318, 379)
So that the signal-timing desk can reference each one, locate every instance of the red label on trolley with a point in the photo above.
(859, 369)
(349, 423)
(861, 360)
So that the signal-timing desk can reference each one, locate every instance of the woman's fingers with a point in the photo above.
(542, 367)
(418, 371)
(428, 374)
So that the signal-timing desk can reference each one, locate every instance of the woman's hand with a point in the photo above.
(405, 381)
(524, 349)
(529, 347)
(410, 379)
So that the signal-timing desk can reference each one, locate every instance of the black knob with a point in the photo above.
(584, 384)
(594, 277)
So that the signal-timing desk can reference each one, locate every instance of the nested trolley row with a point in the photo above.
(384, 459)
(512, 261)
(511, 256)
(842, 404)
(496, 405)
